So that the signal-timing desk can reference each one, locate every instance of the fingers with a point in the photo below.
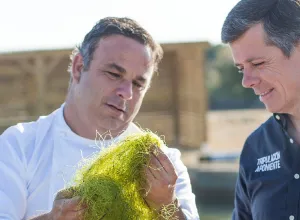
(156, 169)
(150, 180)
(65, 194)
(73, 204)
(160, 180)
(166, 162)
(68, 209)
(78, 215)
(150, 173)
(161, 166)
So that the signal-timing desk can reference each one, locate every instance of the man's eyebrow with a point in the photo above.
(116, 67)
(123, 71)
(249, 60)
(141, 79)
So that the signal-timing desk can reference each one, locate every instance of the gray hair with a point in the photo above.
(280, 20)
(115, 26)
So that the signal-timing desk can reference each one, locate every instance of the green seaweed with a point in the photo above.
(111, 183)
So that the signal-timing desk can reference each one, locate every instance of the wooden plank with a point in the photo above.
(9, 70)
(26, 66)
(41, 84)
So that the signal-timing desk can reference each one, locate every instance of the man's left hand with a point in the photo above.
(161, 179)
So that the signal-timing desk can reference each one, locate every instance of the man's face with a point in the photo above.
(274, 77)
(109, 94)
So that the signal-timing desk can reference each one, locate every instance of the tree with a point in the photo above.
(224, 82)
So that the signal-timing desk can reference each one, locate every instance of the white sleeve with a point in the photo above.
(13, 191)
(183, 187)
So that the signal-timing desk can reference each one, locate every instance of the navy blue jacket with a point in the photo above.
(268, 184)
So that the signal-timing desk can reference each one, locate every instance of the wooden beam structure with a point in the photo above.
(174, 107)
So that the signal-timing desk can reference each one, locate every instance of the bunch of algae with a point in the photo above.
(111, 185)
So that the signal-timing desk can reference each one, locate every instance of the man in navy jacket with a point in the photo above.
(264, 39)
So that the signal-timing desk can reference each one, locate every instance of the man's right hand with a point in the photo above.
(65, 207)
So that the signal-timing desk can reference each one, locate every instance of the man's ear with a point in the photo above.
(77, 67)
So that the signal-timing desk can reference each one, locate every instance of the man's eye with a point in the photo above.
(241, 70)
(113, 75)
(139, 86)
(258, 64)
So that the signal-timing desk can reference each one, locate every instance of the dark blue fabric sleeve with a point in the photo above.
(242, 210)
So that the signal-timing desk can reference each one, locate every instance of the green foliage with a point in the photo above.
(223, 80)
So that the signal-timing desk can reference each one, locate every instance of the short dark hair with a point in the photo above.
(280, 20)
(115, 26)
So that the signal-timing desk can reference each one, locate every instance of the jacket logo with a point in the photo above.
(268, 163)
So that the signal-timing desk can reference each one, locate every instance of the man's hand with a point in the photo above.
(65, 207)
(160, 193)
(161, 179)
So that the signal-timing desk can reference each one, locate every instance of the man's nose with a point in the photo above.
(250, 79)
(125, 90)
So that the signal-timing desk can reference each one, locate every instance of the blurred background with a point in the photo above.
(196, 102)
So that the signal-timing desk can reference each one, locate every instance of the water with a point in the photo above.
(214, 193)
(215, 216)
(216, 212)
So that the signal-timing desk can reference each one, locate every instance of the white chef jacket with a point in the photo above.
(37, 159)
